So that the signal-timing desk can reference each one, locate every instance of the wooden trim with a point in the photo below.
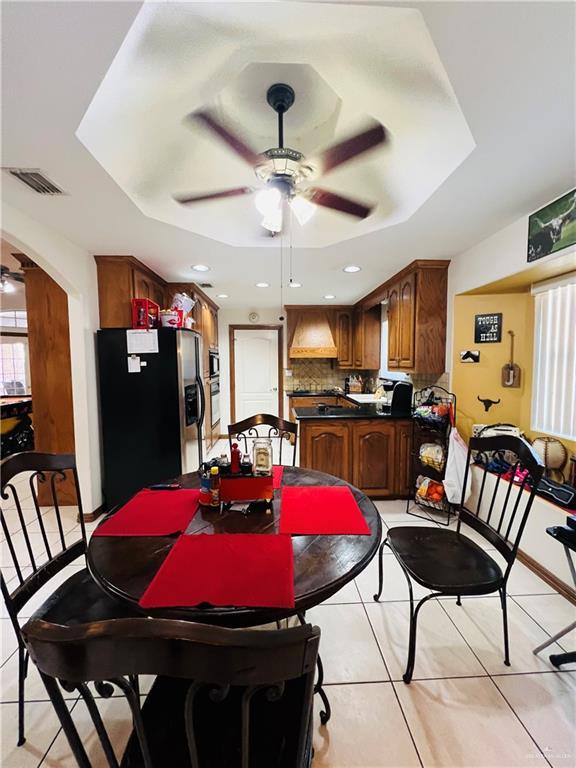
(232, 357)
(379, 293)
(167, 285)
(90, 517)
(135, 263)
(7, 334)
(550, 578)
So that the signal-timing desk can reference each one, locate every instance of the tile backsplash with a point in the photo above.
(320, 374)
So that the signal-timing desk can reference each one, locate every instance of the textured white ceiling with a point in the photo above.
(346, 64)
(511, 66)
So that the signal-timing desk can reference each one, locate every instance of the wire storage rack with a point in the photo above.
(434, 413)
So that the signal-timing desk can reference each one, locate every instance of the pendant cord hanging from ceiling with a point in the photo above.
(290, 237)
(281, 272)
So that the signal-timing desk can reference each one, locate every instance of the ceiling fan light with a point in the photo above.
(303, 209)
(273, 221)
(6, 286)
(268, 201)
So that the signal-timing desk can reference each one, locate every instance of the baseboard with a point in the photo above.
(568, 592)
(89, 517)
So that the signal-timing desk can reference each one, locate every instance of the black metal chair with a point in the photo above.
(222, 697)
(449, 563)
(82, 599)
(278, 429)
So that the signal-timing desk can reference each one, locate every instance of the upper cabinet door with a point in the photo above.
(214, 328)
(393, 327)
(344, 338)
(158, 295)
(142, 288)
(407, 300)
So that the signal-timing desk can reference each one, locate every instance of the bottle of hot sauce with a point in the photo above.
(235, 459)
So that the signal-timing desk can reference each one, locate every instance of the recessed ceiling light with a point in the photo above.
(262, 285)
(329, 296)
(292, 284)
(352, 268)
(222, 296)
(201, 268)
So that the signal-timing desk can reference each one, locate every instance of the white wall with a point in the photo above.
(74, 270)
(500, 255)
(227, 317)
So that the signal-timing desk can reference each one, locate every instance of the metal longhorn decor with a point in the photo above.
(488, 328)
(511, 371)
(487, 403)
(470, 356)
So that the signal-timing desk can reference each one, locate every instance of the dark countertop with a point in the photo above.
(367, 411)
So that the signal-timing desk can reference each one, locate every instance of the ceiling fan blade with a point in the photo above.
(235, 192)
(338, 203)
(207, 119)
(16, 276)
(346, 150)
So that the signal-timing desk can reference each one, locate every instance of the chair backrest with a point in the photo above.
(278, 430)
(498, 509)
(35, 557)
(247, 671)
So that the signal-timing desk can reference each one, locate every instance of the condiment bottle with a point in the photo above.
(246, 465)
(235, 459)
(224, 463)
(263, 456)
(205, 495)
(214, 487)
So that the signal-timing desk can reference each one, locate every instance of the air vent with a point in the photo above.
(206, 285)
(36, 180)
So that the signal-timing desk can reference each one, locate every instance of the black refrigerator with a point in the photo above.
(152, 407)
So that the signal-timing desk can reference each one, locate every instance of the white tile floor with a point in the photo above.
(464, 707)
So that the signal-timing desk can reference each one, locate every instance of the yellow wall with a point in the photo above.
(470, 380)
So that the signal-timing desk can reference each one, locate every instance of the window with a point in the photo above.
(13, 368)
(554, 387)
(13, 319)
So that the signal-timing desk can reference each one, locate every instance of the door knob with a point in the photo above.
(274, 389)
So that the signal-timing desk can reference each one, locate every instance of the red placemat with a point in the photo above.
(152, 513)
(244, 570)
(277, 473)
(320, 509)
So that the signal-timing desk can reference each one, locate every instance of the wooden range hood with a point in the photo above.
(312, 336)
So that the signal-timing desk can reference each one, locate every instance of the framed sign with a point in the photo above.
(488, 328)
(553, 227)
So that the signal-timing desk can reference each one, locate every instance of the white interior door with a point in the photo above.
(256, 367)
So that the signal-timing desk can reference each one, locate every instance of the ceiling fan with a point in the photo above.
(284, 170)
(6, 276)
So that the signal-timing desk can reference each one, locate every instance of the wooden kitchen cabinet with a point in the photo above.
(367, 336)
(345, 337)
(374, 456)
(417, 318)
(213, 328)
(393, 309)
(352, 332)
(401, 319)
(122, 278)
(325, 446)
(403, 458)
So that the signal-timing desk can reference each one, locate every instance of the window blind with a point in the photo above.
(554, 379)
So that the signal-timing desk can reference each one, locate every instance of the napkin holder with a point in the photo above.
(246, 488)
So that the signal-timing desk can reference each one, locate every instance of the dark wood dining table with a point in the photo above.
(124, 566)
